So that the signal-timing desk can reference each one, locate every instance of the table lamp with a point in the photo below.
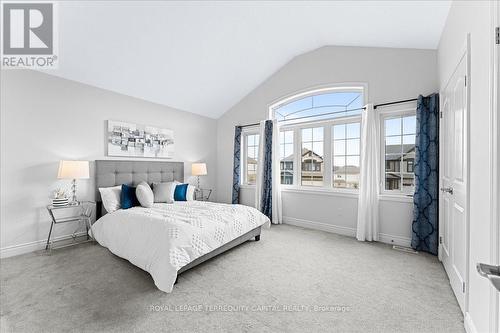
(199, 169)
(73, 170)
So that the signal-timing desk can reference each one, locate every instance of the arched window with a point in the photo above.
(321, 133)
(318, 105)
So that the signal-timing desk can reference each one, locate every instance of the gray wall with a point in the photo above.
(391, 74)
(45, 119)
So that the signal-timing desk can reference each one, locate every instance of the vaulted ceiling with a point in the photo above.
(205, 56)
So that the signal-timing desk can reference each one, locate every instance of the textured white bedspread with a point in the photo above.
(166, 237)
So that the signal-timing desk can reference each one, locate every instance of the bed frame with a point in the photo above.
(115, 172)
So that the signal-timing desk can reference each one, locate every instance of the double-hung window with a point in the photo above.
(286, 157)
(250, 158)
(312, 156)
(346, 150)
(398, 152)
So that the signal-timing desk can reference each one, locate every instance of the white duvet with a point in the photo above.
(166, 237)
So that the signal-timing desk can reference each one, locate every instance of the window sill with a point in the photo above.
(321, 191)
(396, 197)
(307, 190)
(247, 186)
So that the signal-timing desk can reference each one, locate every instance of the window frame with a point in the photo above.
(383, 115)
(327, 125)
(245, 133)
(327, 154)
(294, 145)
(350, 120)
(312, 127)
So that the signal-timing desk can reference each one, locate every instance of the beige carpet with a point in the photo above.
(293, 280)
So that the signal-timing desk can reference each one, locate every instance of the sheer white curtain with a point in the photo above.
(276, 191)
(369, 180)
(260, 166)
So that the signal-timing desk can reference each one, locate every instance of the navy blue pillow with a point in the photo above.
(128, 198)
(180, 192)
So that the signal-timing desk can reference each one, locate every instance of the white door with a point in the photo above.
(453, 225)
(496, 94)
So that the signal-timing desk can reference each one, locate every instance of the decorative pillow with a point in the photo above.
(111, 197)
(190, 193)
(180, 193)
(184, 192)
(164, 192)
(128, 197)
(144, 194)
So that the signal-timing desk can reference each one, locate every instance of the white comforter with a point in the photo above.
(166, 237)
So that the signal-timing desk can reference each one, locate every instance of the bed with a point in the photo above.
(168, 239)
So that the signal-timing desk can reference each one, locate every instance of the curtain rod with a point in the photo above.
(343, 111)
(396, 102)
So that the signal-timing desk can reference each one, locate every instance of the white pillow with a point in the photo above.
(144, 194)
(111, 198)
(190, 193)
(164, 192)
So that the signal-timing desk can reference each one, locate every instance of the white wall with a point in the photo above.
(390, 74)
(474, 17)
(45, 119)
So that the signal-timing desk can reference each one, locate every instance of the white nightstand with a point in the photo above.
(202, 194)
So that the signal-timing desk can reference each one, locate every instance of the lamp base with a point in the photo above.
(73, 201)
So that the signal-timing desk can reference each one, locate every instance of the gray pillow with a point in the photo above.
(164, 192)
(144, 194)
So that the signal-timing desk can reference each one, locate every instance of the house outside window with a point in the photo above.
(409, 165)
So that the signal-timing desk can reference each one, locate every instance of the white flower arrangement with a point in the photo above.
(59, 193)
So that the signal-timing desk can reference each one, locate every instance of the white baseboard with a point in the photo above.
(15, 250)
(469, 324)
(346, 231)
(395, 240)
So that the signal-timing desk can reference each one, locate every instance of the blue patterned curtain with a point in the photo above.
(236, 165)
(425, 200)
(267, 175)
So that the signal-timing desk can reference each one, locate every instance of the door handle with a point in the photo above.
(447, 190)
(490, 272)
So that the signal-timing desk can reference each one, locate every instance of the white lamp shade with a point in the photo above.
(198, 169)
(73, 170)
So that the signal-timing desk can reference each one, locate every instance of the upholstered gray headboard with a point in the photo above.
(113, 172)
